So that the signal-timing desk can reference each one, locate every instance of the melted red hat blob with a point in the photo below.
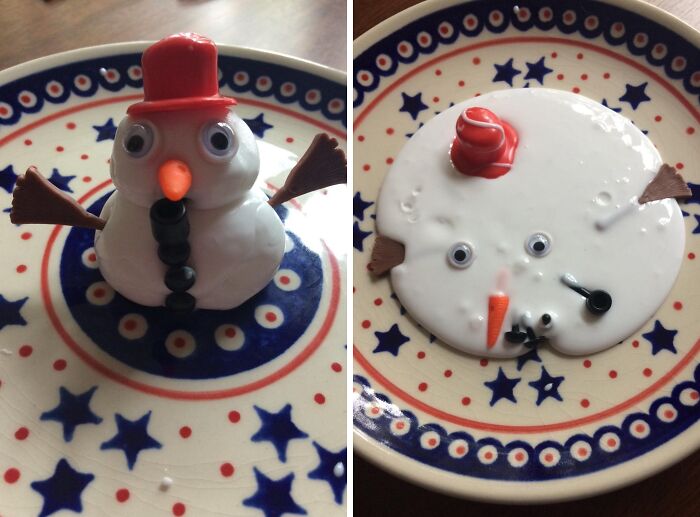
(484, 145)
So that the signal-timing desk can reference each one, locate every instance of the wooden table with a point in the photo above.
(310, 29)
(673, 493)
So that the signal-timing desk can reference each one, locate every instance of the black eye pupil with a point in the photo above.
(538, 246)
(219, 141)
(460, 255)
(135, 144)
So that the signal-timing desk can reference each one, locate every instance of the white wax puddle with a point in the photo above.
(577, 173)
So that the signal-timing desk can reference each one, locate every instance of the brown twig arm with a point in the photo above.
(322, 165)
(667, 183)
(37, 201)
(386, 254)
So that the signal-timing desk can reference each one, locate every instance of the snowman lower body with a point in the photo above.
(235, 251)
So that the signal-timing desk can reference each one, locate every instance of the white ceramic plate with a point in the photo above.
(425, 412)
(109, 408)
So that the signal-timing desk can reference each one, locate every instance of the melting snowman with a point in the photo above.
(186, 226)
(530, 216)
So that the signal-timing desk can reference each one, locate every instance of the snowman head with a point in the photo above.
(183, 140)
(547, 242)
(207, 155)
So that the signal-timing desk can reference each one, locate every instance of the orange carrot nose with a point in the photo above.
(175, 179)
(498, 306)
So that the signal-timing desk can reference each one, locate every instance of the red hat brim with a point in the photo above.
(185, 103)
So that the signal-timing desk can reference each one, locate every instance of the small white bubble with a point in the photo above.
(603, 198)
(476, 322)
(521, 265)
(339, 469)
(166, 483)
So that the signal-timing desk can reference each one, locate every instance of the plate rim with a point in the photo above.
(114, 49)
(398, 20)
(520, 492)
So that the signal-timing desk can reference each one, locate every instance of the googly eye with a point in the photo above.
(138, 140)
(538, 244)
(219, 140)
(461, 255)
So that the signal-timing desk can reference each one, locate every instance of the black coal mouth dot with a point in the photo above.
(165, 211)
(599, 302)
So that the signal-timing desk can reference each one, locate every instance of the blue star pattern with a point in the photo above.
(61, 182)
(278, 429)
(132, 437)
(332, 468)
(273, 497)
(506, 72)
(8, 178)
(501, 387)
(258, 125)
(63, 489)
(697, 220)
(537, 71)
(390, 341)
(10, 312)
(604, 102)
(412, 105)
(107, 131)
(635, 95)
(695, 193)
(530, 355)
(358, 236)
(359, 206)
(409, 135)
(660, 338)
(72, 411)
(547, 386)
(402, 311)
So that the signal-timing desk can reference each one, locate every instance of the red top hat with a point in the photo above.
(180, 72)
(484, 144)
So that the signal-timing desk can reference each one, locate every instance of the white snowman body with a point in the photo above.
(577, 171)
(236, 238)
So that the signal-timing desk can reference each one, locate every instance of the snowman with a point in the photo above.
(186, 227)
(530, 216)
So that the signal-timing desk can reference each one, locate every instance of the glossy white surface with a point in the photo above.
(577, 163)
